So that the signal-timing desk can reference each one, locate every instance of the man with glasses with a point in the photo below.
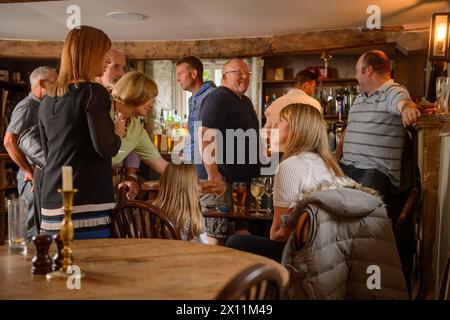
(224, 109)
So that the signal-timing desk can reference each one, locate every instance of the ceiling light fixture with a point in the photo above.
(126, 16)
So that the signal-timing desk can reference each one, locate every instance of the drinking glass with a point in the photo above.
(157, 141)
(17, 226)
(219, 190)
(442, 94)
(257, 190)
(169, 144)
(269, 191)
(239, 195)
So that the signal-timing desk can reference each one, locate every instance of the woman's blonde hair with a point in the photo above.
(178, 197)
(81, 59)
(307, 132)
(134, 88)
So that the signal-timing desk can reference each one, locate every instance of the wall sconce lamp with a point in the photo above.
(438, 50)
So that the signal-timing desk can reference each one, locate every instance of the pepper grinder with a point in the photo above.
(41, 262)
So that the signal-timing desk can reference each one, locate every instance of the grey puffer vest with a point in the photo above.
(349, 231)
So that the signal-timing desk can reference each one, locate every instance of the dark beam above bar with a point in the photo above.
(20, 1)
(226, 48)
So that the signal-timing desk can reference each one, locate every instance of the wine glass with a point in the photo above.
(269, 191)
(257, 190)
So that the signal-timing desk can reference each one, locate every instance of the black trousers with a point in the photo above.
(258, 245)
(371, 178)
(38, 178)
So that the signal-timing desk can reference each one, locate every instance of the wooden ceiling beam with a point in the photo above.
(222, 48)
(20, 1)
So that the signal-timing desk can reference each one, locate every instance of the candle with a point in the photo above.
(67, 178)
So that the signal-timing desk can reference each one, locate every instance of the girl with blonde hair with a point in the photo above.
(178, 197)
(77, 131)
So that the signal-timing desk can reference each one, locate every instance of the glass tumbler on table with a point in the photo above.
(17, 226)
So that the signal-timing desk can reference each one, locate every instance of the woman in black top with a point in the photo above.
(76, 130)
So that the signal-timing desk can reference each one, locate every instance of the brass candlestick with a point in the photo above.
(66, 233)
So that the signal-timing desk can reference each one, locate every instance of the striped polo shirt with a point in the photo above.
(375, 136)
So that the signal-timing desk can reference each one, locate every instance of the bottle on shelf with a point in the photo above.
(266, 102)
(332, 137)
(176, 120)
(330, 102)
(168, 119)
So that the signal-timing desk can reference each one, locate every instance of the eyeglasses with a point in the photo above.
(239, 73)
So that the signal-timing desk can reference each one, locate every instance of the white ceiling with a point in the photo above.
(208, 19)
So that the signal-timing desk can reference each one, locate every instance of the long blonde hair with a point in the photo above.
(307, 132)
(134, 88)
(178, 197)
(81, 59)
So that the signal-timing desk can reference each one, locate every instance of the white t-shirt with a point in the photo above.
(299, 174)
(293, 96)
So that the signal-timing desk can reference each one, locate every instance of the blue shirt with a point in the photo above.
(191, 145)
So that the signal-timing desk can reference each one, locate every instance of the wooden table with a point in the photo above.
(132, 269)
(232, 215)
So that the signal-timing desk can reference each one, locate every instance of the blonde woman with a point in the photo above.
(178, 197)
(76, 130)
(306, 164)
(134, 95)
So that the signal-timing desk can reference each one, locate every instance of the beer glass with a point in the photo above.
(157, 141)
(169, 144)
(239, 195)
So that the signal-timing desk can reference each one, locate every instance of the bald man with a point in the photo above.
(229, 108)
(115, 69)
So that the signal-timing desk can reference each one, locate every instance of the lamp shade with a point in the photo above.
(438, 49)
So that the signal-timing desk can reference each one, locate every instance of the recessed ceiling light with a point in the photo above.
(128, 16)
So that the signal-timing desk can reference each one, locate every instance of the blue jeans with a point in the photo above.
(24, 188)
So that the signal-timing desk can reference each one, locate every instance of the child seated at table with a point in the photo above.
(178, 197)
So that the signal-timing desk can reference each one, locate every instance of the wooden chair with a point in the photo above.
(257, 282)
(406, 211)
(138, 219)
(406, 242)
(444, 289)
